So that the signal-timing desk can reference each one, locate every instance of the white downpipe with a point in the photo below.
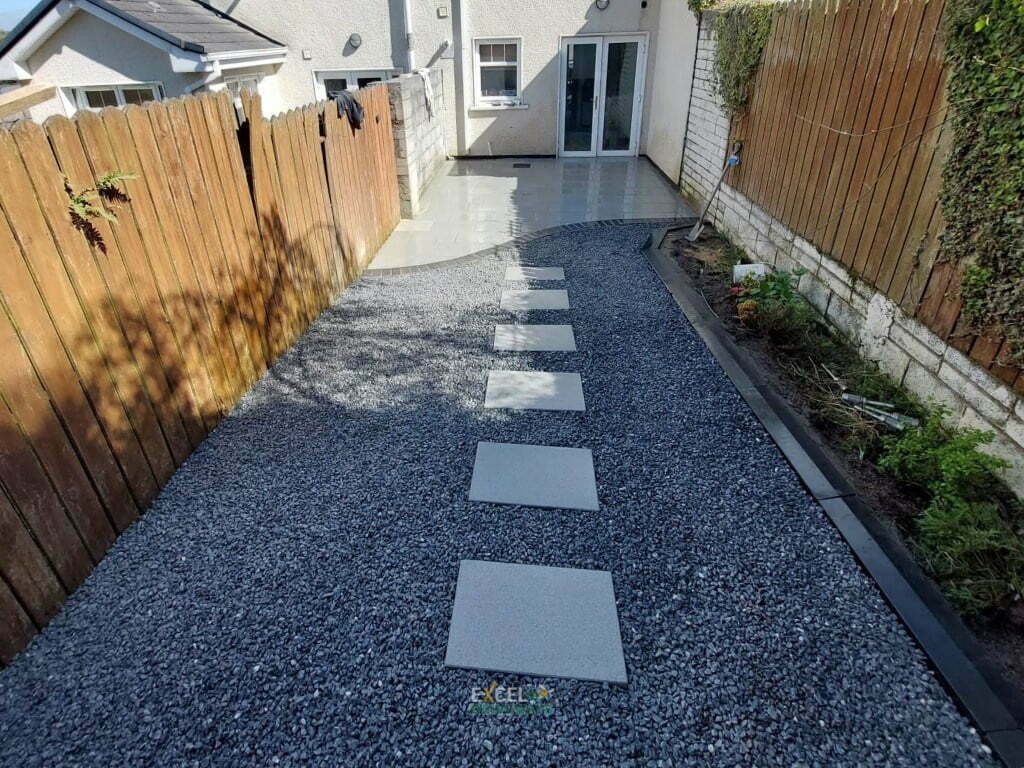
(212, 76)
(409, 41)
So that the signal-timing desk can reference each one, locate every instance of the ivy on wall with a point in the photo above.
(983, 179)
(743, 29)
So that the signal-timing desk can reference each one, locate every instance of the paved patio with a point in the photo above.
(291, 597)
(475, 204)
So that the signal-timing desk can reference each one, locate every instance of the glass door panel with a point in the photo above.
(620, 93)
(579, 102)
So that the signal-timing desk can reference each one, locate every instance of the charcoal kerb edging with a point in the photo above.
(521, 240)
(940, 634)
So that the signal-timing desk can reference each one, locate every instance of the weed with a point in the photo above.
(773, 307)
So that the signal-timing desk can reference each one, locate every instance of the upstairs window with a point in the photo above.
(498, 70)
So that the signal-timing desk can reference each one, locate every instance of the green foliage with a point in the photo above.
(82, 207)
(983, 179)
(773, 307)
(969, 537)
(942, 460)
(109, 186)
(975, 286)
(970, 534)
(743, 30)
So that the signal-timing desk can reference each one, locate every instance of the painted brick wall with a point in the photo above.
(903, 347)
(419, 136)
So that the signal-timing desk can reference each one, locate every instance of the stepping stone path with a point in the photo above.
(534, 389)
(519, 272)
(527, 300)
(532, 619)
(534, 338)
(534, 476)
(536, 620)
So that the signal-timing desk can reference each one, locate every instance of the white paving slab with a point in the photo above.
(519, 272)
(534, 476)
(536, 620)
(538, 390)
(534, 338)
(545, 298)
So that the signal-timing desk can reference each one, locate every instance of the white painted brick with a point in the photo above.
(1002, 445)
(984, 381)
(926, 384)
(1014, 428)
(845, 317)
(914, 348)
(833, 281)
(922, 334)
(816, 294)
(972, 394)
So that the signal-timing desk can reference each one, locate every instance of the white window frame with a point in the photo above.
(350, 75)
(79, 92)
(257, 76)
(497, 101)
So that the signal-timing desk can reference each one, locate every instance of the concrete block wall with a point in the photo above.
(904, 348)
(707, 127)
(419, 136)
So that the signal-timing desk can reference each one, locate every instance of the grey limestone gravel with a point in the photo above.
(286, 600)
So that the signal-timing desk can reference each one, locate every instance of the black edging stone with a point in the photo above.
(941, 634)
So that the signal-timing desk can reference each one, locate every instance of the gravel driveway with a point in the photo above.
(286, 601)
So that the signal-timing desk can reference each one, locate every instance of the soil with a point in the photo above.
(893, 504)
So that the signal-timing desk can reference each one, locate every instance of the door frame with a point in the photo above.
(563, 70)
(602, 41)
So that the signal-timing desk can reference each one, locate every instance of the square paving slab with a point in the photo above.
(534, 389)
(534, 338)
(534, 476)
(535, 299)
(536, 620)
(519, 272)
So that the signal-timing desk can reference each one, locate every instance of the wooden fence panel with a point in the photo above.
(844, 141)
(124, 341)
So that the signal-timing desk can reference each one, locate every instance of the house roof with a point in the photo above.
(187, 24)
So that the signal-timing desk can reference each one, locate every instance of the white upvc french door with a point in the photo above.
(601, 87)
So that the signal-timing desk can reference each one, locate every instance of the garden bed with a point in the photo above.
(849, 438)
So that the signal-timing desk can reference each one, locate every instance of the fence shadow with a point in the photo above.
(127, 343)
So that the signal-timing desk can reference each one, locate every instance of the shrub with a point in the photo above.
(969, 537)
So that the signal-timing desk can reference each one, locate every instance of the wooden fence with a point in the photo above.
(844, 141)
(123, 343)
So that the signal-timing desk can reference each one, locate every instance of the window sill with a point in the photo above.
(496, 107)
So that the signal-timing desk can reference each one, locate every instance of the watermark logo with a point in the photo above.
(497, 699)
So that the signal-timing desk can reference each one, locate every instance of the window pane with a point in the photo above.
(498, 81)
(334, 86)
(137, 95)
(620, 89)
(486, 52)
(365, 81)
(236, 86)
(100, 99)
(510, 51)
